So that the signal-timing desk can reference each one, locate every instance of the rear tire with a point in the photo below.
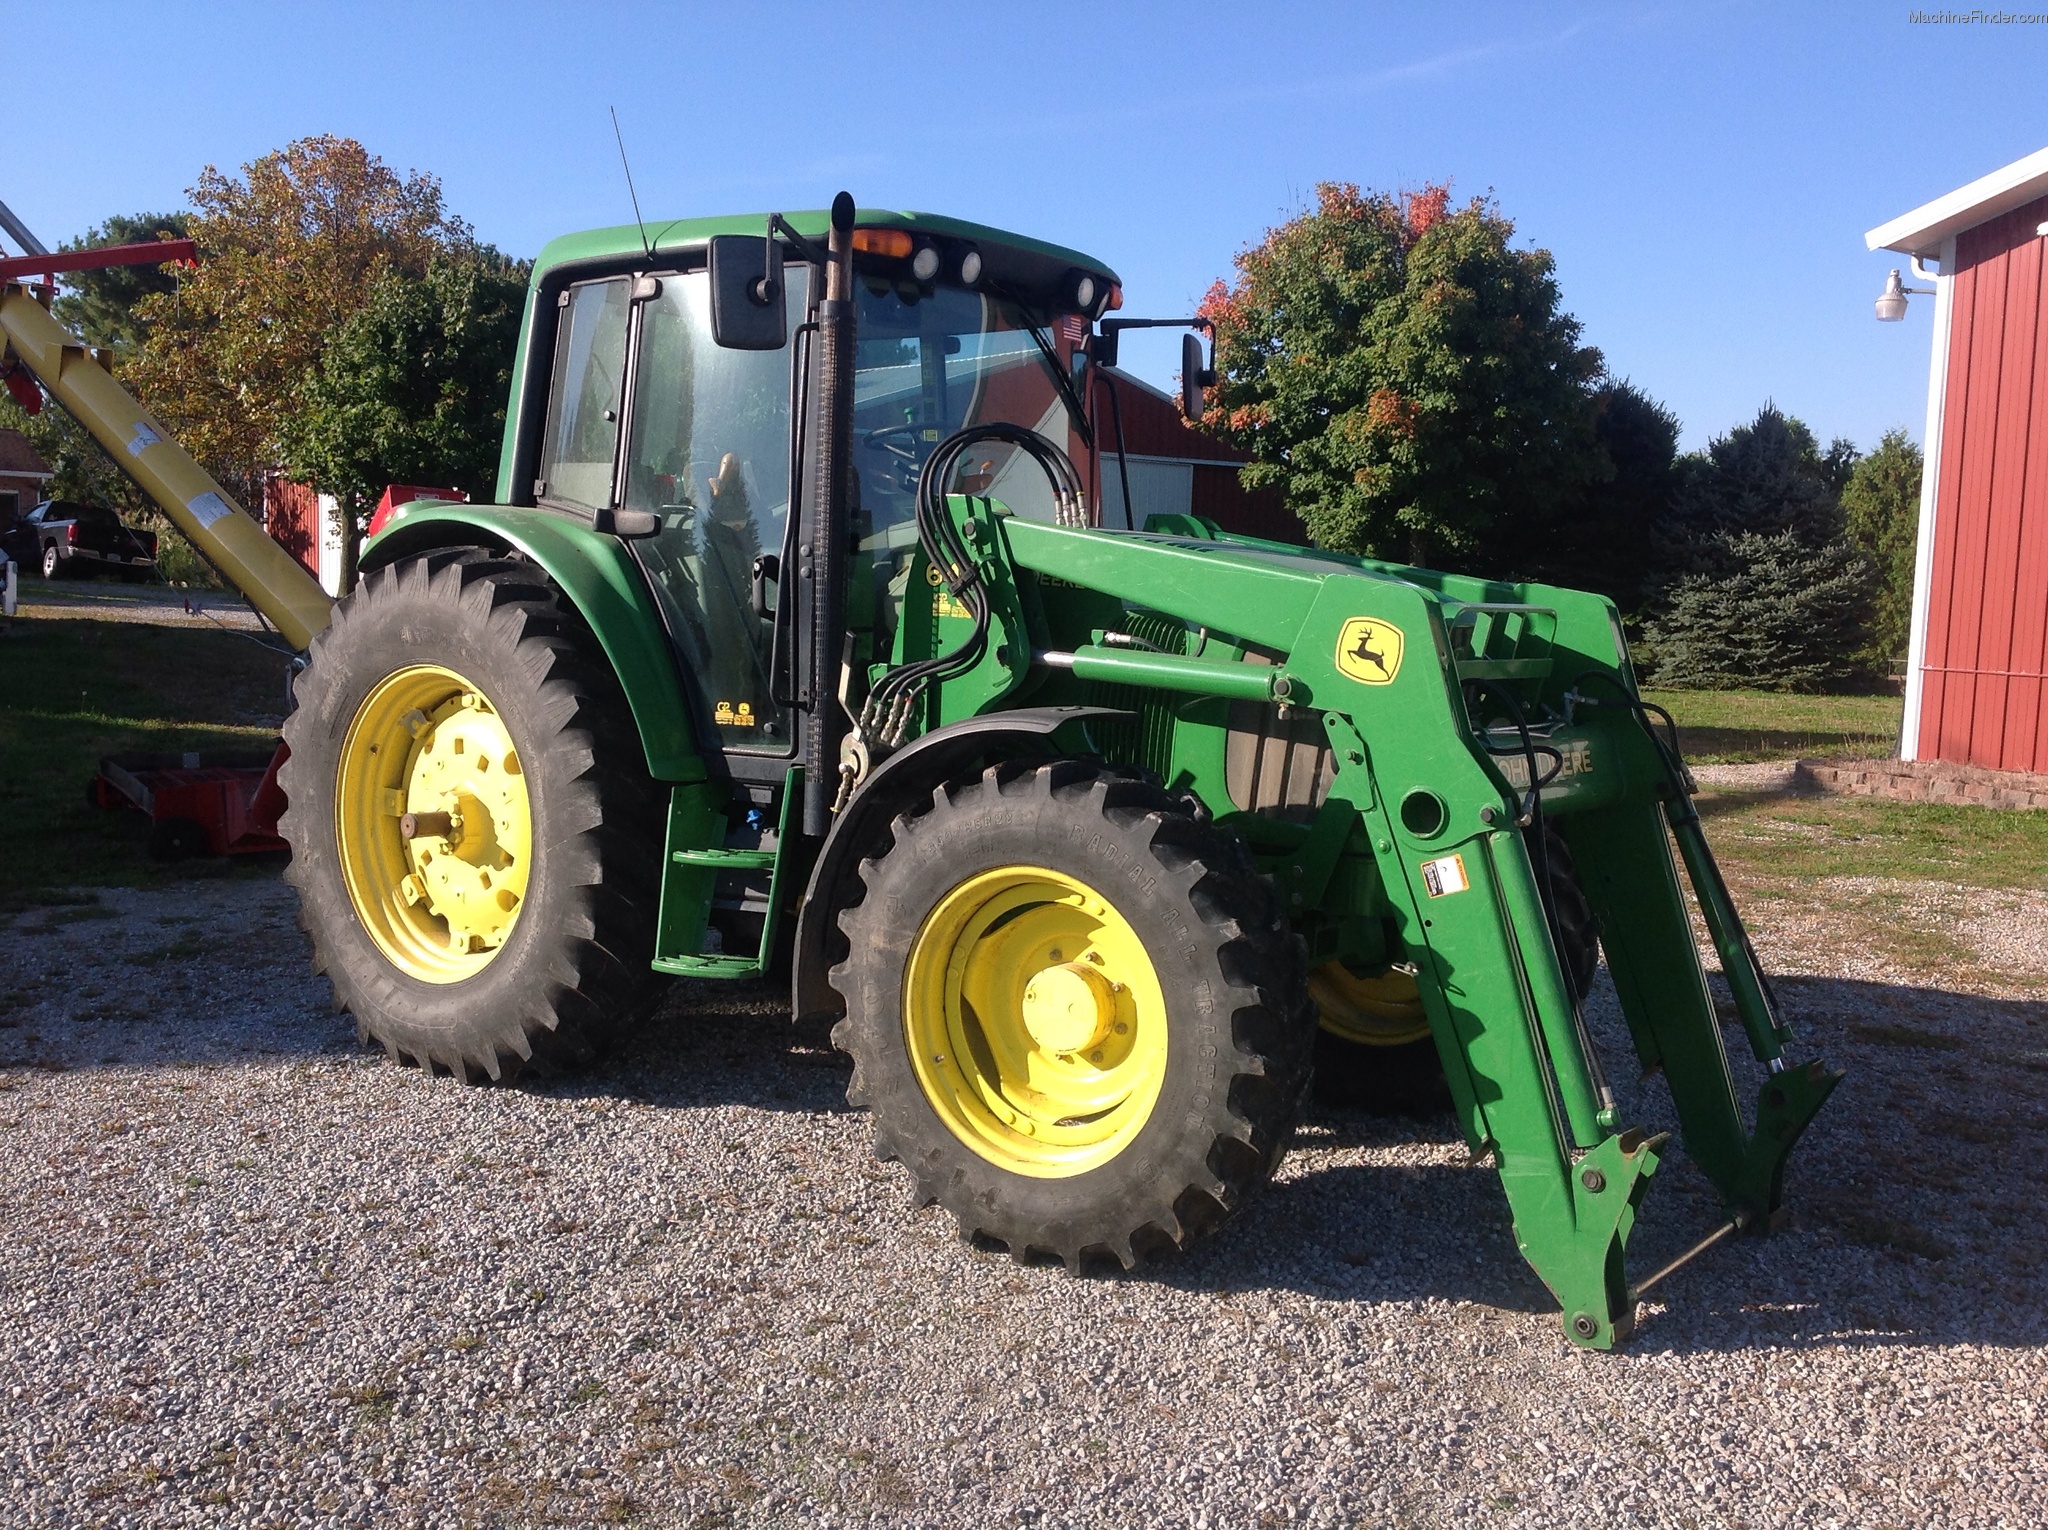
(1048, 893)
(474, 983)
(53, 562)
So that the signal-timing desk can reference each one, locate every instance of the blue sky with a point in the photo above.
(1703, 172)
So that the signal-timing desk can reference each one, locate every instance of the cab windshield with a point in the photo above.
(930, 362)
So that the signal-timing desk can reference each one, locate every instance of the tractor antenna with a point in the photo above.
(644, 245)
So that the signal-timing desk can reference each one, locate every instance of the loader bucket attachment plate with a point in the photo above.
(1578, 1249)
(1787, 1102)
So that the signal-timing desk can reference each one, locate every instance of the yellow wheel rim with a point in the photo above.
(1382, 1009)
(1035, 1021)
(442, 902)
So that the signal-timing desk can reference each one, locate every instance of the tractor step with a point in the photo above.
(690, 888)
(726, 860)
(708, 966)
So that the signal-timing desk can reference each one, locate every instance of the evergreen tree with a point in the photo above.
(1762, 585)
(1766, 477)
(105, 307)
(1605, 539)
(1784, 616)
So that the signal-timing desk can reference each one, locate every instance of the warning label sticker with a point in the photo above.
(207, 508)
(142, 440)
(1444, 876)
(943, 601)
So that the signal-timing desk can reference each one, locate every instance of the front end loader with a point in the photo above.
(797, 648)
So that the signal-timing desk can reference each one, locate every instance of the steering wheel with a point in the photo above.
(905, 449)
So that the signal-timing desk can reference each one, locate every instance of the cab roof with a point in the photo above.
(673, 235)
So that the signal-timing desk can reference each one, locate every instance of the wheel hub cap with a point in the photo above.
(1068, 1008)
(433, 824)
(472, 874)
(1381, 1009)
(1035, 1021)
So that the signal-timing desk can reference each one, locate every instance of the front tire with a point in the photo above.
(1076, 1015)
(474, 837)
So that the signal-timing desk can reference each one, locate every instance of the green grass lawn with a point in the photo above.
(72, 690)
(1733, 727)
(1800, 839)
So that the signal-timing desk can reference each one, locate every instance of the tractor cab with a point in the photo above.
(636, 419)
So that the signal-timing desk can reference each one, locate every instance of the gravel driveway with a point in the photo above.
(250, 1275)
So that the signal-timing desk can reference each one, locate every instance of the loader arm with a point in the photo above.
(1374, 672)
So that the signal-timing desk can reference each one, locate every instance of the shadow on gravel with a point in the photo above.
(1916, 1198)
(1381, 1232)
(723, 1044)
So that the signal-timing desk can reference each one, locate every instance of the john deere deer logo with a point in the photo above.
(1369, 651)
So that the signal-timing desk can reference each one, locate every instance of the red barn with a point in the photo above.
(1174, 467)
(1977, 669)
(24, 477)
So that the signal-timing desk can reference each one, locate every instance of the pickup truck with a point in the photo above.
(77, 538)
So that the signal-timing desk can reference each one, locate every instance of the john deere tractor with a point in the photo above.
(798, 648)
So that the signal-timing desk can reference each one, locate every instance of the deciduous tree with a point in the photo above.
(1405, 378)
(411, 387)
(289, 249)
(1881, 504)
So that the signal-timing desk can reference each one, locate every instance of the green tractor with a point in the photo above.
(797, 649)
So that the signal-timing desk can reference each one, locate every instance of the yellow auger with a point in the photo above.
(77, 377)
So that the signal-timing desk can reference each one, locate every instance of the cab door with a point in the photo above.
(648, 413)
(707, 449)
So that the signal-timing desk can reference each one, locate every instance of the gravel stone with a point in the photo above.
(250, 1275)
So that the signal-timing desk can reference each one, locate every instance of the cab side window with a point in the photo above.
(581, 444)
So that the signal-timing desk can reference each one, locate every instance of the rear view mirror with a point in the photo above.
(749, 304)
(627, 523)
(1192, 375)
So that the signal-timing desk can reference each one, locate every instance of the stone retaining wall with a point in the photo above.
(1924, 781)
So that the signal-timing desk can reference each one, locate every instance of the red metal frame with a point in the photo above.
(232, 797)
(154, 252)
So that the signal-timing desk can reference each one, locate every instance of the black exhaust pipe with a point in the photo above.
(831, 519)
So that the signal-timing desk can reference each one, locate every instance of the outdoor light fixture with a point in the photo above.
(924, 265)
(970, 268)
(1891, 303)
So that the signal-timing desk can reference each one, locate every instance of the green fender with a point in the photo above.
(604, 584)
